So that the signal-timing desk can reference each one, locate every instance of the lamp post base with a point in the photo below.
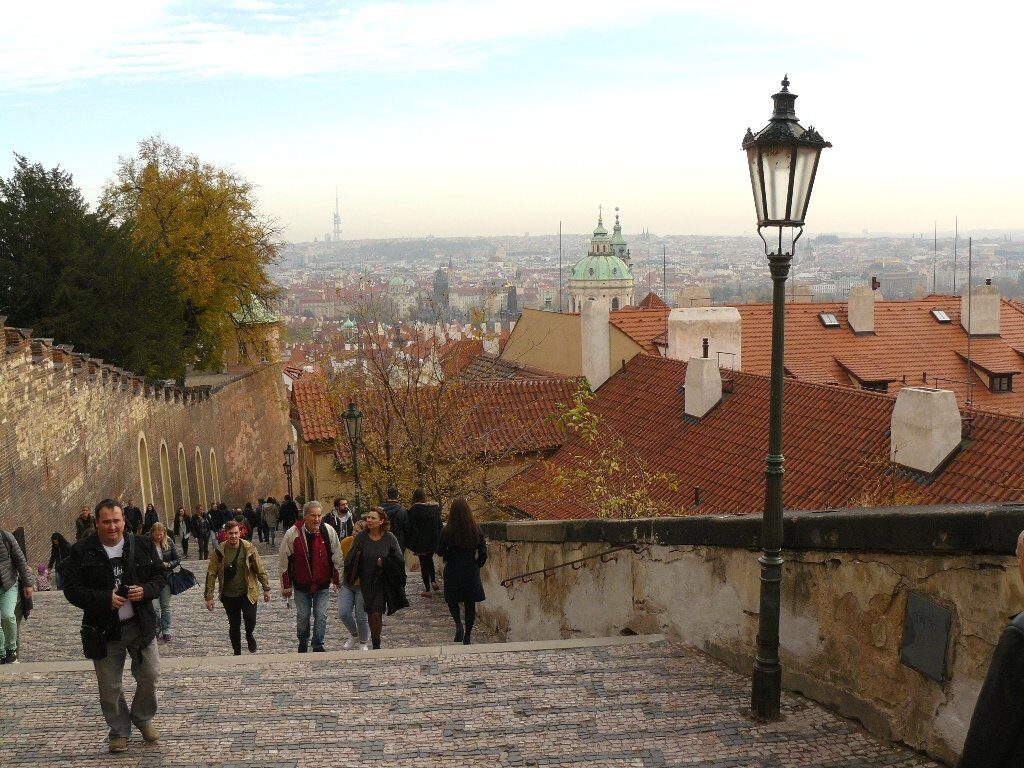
(766, 692)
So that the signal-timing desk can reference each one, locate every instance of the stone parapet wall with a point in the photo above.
(844, 593)
(71, 428)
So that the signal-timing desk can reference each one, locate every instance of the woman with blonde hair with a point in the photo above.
(165, 552)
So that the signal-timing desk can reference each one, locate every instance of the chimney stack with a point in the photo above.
(875, 285)
(703, 386)
(595, 336)
(688, 327)
(860, 309)
(925, 428)
(981, 319)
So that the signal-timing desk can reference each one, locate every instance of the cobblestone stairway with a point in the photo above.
(636, 703)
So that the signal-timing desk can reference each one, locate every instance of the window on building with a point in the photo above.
(615, 303)
(940, 315)
(828, 319)
(875, 386)
(1001, 383)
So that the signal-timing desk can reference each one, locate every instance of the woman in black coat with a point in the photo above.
(151, 519)
(60, 550)
(422, 535)
(464, 550)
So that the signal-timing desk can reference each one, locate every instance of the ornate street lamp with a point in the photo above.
(783, 159)
(289, 460)
(353, 419)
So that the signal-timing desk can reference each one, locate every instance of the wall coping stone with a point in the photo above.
(937, 530)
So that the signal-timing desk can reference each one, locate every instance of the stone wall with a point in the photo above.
(73, 430)
(844, 592)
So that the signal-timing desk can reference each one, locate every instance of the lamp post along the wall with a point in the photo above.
(782, 159)
(353, 419)
(289, 460)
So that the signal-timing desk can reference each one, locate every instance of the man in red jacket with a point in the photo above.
(310, 559)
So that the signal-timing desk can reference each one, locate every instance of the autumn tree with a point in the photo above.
(202, 221)
(423, 425)
(74, 275)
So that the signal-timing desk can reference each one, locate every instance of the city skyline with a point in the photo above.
(491, 118)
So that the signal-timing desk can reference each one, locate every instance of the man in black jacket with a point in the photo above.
(132, 517)
(289, 513)
(996, 736)
(112, 577)
(398, 516)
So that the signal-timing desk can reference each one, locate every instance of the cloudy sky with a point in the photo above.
(462, 117)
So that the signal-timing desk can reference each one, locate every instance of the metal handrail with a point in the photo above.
(576, 564)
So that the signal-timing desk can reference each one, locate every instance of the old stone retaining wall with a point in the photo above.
(844, 593)
(73, 430)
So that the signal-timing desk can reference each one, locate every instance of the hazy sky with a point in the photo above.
(462, 117)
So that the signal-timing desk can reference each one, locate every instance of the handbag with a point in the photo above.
(94, 642)
(181, 580)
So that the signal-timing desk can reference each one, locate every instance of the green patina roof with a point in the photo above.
(348, 324)
(396, 281)
(255, 313)
(601, 267)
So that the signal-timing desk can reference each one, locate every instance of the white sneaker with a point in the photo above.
(364, 646)
(349, 643)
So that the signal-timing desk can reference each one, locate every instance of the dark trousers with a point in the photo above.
(427, 571)
(238, 608)
(470, 609)
(203, 542)
(184, 545)
(263, 530)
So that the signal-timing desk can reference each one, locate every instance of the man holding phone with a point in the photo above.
(112, 577)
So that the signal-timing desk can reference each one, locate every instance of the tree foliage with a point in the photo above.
(202, 221)
(79, 278)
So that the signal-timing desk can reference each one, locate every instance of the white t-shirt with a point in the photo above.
(116, 555)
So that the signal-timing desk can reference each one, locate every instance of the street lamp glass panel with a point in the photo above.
(289, 455)
(803, 178)
(755, 182)
(775, 169)
(353, 422)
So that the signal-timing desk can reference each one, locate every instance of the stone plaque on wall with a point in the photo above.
(926, 636)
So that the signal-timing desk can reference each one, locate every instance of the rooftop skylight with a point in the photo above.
(940, 315)
(828, 319)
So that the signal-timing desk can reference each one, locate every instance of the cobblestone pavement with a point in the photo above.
(632, 705)
(51, 633)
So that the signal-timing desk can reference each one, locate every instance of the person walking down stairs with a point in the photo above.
(464, 551)
(423, 533)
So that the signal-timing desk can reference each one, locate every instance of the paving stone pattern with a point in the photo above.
(644, 706)
(51, 634)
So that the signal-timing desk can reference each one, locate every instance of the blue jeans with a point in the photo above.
(163, 609)
(315, 603)
(350, 601)
(8, 624)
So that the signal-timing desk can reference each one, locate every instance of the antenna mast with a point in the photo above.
(559, 266)
(935, 253)
(956, 236)
(337, 217)
(664, 274)
(970, 314)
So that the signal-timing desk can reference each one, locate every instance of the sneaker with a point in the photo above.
(435, 587)
(149, 731)
(364, 646)
(252, 643)
(118, 744)
(349, 643)
(425, 593)
(303, 648)
(11, 657)
(318, 649)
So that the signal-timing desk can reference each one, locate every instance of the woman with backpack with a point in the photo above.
(375, 561)
(166, 553)
(464, 551)
(236, 568)
(422, 535)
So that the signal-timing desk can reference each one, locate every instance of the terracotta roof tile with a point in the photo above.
(487, 367)
(641, 325)
(836, 442)
(311, 407)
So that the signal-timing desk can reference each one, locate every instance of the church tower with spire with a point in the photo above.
(604, 273)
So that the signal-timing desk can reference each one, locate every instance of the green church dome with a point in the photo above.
(601, 267)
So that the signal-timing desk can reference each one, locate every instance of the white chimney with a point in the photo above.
(925, 428)
(689, 326)
(595, 338)
(981, 319)
(860, 309)
(703, 386)
(490, 345)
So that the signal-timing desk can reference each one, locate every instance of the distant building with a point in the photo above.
(604, 273)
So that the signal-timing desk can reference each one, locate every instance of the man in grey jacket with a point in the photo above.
(14, 576)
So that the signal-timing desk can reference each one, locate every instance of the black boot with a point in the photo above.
(376, 643)
(459, 633)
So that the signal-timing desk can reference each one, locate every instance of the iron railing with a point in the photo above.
(607, 556)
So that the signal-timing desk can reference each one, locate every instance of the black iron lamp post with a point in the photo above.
(289, 460)
(783, 159)
(353, 419)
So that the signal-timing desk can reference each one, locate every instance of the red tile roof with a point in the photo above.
(487, 367)
(311, 407)
(836, 444)
(652, 301)
(641, 325)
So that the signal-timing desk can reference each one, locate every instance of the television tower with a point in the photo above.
(337, 218)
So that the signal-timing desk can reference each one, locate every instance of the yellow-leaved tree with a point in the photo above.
(203, 221)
